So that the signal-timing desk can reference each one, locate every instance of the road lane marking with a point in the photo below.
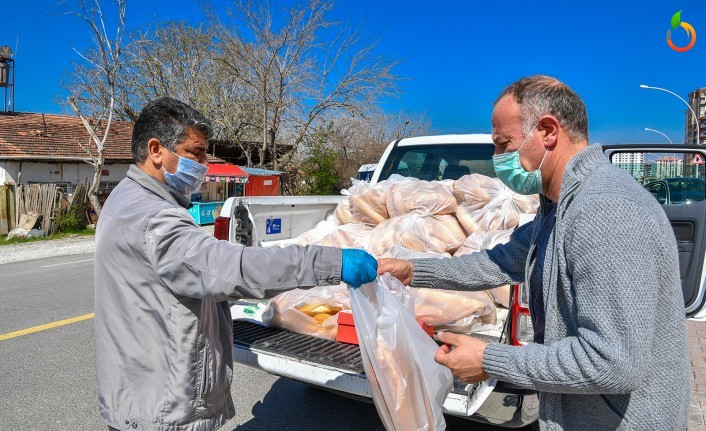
(66, 263)
(45, 327)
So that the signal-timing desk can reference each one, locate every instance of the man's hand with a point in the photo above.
(400, 269)
(463, 355)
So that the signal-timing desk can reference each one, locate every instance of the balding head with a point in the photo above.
(543, 95)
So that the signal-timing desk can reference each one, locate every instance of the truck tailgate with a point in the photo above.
(345, 357)
(327, 363)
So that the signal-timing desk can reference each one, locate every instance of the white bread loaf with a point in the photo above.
(368, 206)
(439, 234)
(486, 204)
(442, 307)
(410, 195)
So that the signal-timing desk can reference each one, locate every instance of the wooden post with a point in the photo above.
(5, 226)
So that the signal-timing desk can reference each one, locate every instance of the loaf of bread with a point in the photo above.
(439, 234)
(486, 204)
(310, 312)
(500, 295)
(368, 206)
(485, 241)
(410, 195)
(343, 214)
(442, 307)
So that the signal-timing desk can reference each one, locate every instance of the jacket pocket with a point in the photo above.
(205, 373)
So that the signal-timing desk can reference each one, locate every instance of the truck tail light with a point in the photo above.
(521, 330)
(220, 228)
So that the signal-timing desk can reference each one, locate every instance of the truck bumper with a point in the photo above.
(315, 362)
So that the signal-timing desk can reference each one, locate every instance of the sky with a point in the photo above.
(456, 56)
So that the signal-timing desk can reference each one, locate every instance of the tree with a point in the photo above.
(302, 72)
(180, 61)
(357, 141)
(319, 166)
(97, 78)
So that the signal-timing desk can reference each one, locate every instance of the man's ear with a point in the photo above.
(155, 151)
(549, 126)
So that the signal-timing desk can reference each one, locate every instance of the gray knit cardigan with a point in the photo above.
(615, 354)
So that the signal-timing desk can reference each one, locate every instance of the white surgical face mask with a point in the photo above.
(188, 177)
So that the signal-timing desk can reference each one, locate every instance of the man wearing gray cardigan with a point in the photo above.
(601, 266)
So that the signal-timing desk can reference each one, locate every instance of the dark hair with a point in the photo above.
(541, 95)
(168, 120)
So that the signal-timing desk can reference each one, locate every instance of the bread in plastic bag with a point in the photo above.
(406, 195)
(445, 307)
(303, 311)
(352, 235)
(439, 234)
(486, 204)
(343, 214)
(485, 241)
(408, 386)
(367, 203)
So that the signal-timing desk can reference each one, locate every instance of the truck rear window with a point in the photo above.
(440, 162)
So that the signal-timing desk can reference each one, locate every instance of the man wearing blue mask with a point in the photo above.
(602, 268)
(163, 330)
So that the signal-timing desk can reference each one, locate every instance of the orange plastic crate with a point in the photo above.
(346, 328)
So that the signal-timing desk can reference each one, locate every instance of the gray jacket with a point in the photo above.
(163, 330)
(615, 354)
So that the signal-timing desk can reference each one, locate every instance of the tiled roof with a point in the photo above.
(30, 136)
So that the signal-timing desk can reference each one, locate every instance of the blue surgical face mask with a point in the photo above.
(509, 170)
(188, 177)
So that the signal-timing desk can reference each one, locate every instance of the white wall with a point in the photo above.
(60, 172)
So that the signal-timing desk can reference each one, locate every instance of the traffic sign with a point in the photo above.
(698, 159)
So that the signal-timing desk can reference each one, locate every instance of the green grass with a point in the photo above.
(58, 235)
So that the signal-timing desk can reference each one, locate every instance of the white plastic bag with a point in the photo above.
(406, 195)
(286, 311)
(408, 386)
(439, 234)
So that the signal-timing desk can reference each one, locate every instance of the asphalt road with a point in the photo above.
(47, 378)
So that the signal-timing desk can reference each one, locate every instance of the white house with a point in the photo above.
(48, 148)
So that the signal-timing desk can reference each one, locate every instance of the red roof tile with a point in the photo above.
(25, 135)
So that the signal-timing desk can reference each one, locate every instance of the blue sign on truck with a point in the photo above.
(273, 226)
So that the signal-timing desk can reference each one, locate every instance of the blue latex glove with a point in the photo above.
(358, 267)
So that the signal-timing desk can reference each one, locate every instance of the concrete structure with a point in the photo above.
(633, 163)
(697, 101)
(669, 166)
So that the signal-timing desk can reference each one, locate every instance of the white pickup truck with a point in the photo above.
(337, 367)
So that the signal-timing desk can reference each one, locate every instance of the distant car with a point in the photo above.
(677, 190)
(365, 172)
